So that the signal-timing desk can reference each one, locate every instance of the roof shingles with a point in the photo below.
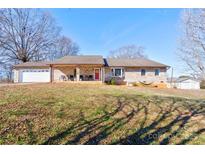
(139, 62)
(96, 60)
(32, 64)
(79, 60)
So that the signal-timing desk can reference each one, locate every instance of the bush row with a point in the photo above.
(115, 81)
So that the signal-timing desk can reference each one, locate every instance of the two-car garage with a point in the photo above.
(35, 75)
(32, 72)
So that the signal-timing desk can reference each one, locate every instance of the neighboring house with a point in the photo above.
(184, 83)
(91, 68)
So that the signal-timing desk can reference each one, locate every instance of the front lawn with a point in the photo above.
(99, 114)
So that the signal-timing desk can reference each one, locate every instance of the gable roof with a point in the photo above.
(186, 78)
(181, 79)
(138, 62)
(91, 59)
(33, 64)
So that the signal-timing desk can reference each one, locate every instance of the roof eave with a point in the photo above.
(30, 66)
(138, 66)
(74, 64)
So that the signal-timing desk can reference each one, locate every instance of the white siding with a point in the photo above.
(188, 84)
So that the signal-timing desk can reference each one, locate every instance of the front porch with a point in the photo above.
(76, 73)
(81, 82)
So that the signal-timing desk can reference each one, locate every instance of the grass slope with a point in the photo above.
(98, 114)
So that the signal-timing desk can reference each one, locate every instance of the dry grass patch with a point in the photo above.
(97, 114)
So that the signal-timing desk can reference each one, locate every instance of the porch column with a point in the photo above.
(102, 74)
(77, 74)
(51, 73)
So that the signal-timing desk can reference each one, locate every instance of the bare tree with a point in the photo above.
(26, 34)
(129, 52)
(192, 42)
(65, 46)
(6, 69)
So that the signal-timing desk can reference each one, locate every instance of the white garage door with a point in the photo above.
(36, 75)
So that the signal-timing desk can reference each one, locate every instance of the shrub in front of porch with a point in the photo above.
(115, 81)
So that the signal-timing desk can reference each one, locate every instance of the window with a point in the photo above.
(117, 72)
(157, 72)
(143, 72)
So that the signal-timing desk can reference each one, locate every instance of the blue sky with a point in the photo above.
(97, 31)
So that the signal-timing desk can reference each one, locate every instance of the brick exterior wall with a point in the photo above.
(133, 74)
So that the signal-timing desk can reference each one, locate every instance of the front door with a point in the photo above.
(97, 74)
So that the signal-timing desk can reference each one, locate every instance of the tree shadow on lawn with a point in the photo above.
(166, 125)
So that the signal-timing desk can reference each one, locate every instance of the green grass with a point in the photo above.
(99, 114)
(20, 112)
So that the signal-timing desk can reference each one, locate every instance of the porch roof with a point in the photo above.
(89, 60)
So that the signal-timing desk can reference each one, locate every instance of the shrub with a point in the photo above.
(113, 81)
(136, 84)
(202, 85)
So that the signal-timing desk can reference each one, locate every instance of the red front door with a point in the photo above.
(97, 74)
